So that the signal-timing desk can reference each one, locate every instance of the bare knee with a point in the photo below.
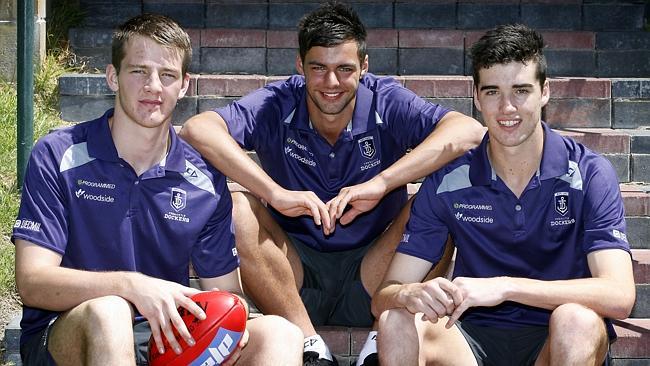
(574, 324)
(577, 320)
(107, 313)
(271, 333)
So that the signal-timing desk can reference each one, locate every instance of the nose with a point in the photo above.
(506, 104)
(331, 79)
(153, 83)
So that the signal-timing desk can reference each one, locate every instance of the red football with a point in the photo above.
(216, 336)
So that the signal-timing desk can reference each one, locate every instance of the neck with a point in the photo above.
(516, 165)
(141, 147)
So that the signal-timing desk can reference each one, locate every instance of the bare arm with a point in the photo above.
(453, 136)
(44, 284)
(610, 292)
(402, 288)
(208, 133)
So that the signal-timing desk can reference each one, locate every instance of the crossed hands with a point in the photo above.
(158, 301)
(440, 297)
(361, 198)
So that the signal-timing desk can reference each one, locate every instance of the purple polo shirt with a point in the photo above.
(388, 120)
(571, 208)
(82, 201)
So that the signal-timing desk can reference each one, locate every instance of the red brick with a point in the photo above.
(580, 88)
(636, 203)
(192, 89)
(336, 338)
(195, 37)
(173, 2)
(230, 2)
(513, 2)
(233, 38)
(440, 86)
(273, 79)
(281, 39)
(633, 338)
(559, 2)
(358, 338)
(430, 38)
(578, 112)
(471, 37)
(572, 40)
(229, 85)
(603, 140)
(382, 38)
(641, 265)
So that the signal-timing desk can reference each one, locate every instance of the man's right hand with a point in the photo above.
(435, 298)
(157, 300)
(298, 203)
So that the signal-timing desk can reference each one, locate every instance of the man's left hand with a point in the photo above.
(361, 197)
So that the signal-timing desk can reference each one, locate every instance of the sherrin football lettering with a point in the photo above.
(216, 337)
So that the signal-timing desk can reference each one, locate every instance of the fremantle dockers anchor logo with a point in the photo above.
(562, 202)
(367, 146)
(178, 199)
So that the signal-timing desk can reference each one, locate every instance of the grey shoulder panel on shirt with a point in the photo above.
(455, 180)
(197, 178)
(573, 176)
(75, 156)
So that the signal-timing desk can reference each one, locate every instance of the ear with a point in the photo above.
(186, 85)
(299, 67)
(477, 103)
(364, 66)
(546, 93)
(111, 78)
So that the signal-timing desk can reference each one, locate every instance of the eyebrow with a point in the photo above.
(324, 65)
(516, 86)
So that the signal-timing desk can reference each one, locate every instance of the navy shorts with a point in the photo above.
(34, 351)
(506, 347)
(331, 289)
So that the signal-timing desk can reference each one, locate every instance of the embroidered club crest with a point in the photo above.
(367, 146)
(178, 199)
(562, 202)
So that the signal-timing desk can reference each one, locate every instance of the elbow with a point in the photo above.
(189, 130)
(26, 291)
(625, 305)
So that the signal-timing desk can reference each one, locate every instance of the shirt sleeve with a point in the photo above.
(257, 114)
(214, 254)
(425, 234)
(603, 212)
(410, 118)
(42, 217)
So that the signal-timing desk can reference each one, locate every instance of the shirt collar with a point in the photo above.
(555, 159)
(101, 145)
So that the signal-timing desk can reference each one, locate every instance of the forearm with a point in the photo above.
(386, 298)
(452, 137)
(208, 133)
(60, 288)
(607, 297)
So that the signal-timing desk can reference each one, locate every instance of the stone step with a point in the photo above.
(576, 102)
(462, 14)
(392, 51)
(641, 265)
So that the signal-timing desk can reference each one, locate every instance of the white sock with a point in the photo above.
(316, 344)
(369, 347)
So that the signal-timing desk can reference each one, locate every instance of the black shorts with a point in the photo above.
(331, 289)
(506, 347)
(34, 351)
